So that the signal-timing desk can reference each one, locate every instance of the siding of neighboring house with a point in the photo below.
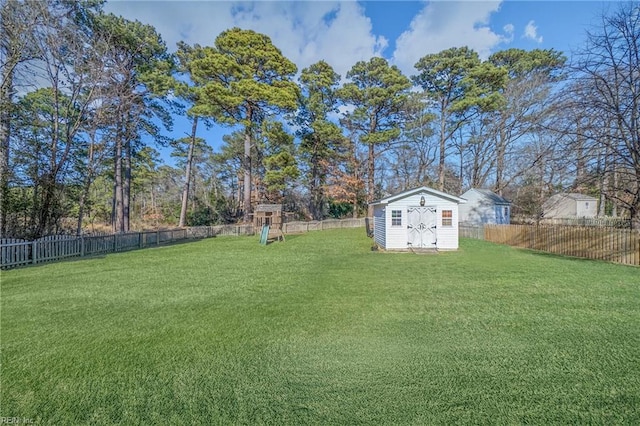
(587, 207)
(484, 207)
(567, 205)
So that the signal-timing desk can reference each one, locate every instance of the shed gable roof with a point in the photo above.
(557, 199)
(489, 195)
(268, 208)
(420, 190)
(579, 197)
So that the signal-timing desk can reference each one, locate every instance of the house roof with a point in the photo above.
(578, 197)
(420, 190)
(491, 196)
(268, 208)
(557, 198)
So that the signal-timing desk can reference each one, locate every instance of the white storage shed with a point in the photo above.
(420, 218)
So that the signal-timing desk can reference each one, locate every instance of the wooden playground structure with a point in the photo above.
(270, 216)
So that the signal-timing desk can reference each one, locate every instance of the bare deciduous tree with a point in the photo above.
(609, 67)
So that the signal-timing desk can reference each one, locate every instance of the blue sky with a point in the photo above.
(344, 32)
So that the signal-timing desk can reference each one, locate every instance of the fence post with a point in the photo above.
(34, 253)
(141, 239)
(81, 246)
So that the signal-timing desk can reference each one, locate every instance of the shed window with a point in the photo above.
(396, 217)
(447, 217)
(506, 212)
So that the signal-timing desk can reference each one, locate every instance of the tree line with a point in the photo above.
(87, 98)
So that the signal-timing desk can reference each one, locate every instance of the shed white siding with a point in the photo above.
(570, 205)
(395, 235)
(587, 207)
(379, 231)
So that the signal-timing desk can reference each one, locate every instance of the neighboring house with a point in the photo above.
(570, 205)
(417, 219)
(484, 206)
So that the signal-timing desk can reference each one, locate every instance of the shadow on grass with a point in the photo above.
(284, 239)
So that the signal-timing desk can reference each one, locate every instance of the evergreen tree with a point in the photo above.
(377, 91)
(459, 85)
(244, 79)
(322, 142)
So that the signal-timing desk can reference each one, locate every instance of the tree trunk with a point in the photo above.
(187, 174)
(371, 180)
(239, 190)
(460, 187)
(246, 216)
(581, 162)
(355, 205)
(86, 185)
(316, 187)
(602, 184)
(126, 188)
(46, 208)
(441, 171)
(500, 154)
(634, 214)
(118, 211)
(5, 126)
(614, 174)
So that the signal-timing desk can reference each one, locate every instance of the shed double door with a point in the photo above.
(421, 226)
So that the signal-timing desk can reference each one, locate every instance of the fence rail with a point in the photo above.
(610, 244)
(14, 253)
(300, 227)
(603, 222)
(471, 231)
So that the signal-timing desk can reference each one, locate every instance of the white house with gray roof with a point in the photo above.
(570, 205)
(484, 207)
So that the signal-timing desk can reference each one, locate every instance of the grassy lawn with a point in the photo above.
(321, 330)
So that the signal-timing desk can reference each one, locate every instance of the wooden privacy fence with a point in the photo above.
(610, 244)
(14, 253)
(471, 231)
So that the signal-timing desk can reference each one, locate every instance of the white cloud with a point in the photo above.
(509, 28)
(442, 25)
(306, 32)
(193, 22)
(531, 32)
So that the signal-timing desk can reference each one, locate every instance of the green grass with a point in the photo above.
(321, 330)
